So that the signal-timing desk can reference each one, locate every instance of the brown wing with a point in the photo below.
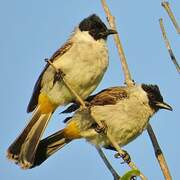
(109, 96)
(36, 91)
(105, 97)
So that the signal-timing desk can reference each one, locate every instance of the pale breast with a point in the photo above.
(84, 66)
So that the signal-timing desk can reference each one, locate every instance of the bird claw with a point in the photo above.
(86, 107)
(101, 129)
(87, 104)
(59, 75)
(125, 156)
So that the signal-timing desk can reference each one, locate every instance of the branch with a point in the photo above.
(166, 6)
(159, 154)
(107, 163)
(168, 46)
(111, 20)
(129, 81)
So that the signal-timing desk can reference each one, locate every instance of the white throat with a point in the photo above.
(84, 36)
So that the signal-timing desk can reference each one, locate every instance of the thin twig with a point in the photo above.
(168, 46)
(159, 154)
(111, 20)
(166, 6)
(128, 78)
(108, 164)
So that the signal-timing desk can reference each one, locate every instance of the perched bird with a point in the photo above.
(83, 60)
(126, 112)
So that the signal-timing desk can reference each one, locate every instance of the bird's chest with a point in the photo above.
(84, 66)
(131, 122)
(84, 62)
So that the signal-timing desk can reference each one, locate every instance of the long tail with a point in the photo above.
(49, 146)
(23, 149)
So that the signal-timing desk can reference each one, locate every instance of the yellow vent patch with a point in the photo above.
(46, 106)
(71, 131)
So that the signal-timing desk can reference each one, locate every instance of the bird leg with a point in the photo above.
(87, 106)
(125, 156)
(102, 128)
(59, 75)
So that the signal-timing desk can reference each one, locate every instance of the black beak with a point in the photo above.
(111, 31)
(107, 33)
(163, 105)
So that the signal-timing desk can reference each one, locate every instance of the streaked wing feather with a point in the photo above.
(109, 96)
(105, 97)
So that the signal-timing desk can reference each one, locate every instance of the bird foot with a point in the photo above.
(125, 156)
(59, 75)
(101, 129)
(86, 107)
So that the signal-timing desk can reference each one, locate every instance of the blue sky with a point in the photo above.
(32, 30)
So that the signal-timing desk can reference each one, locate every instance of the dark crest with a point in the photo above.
(154, 95)
(96, 28)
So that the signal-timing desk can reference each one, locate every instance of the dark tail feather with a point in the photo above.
(15, 148)
(23, 150)
(49, 146)
(29, 147)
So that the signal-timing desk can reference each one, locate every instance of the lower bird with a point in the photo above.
(126, 111)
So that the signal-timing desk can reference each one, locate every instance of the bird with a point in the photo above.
(126, 112)
(82, 60)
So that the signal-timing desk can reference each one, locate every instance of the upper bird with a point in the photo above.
(83, 59)
(125, 110)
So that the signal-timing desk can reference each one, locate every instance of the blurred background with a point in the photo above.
(31, 31)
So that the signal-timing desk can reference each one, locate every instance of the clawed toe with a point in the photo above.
(125, 156)
(101, 129)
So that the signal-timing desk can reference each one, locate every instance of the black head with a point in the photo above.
(155, 98)
(96, 28)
